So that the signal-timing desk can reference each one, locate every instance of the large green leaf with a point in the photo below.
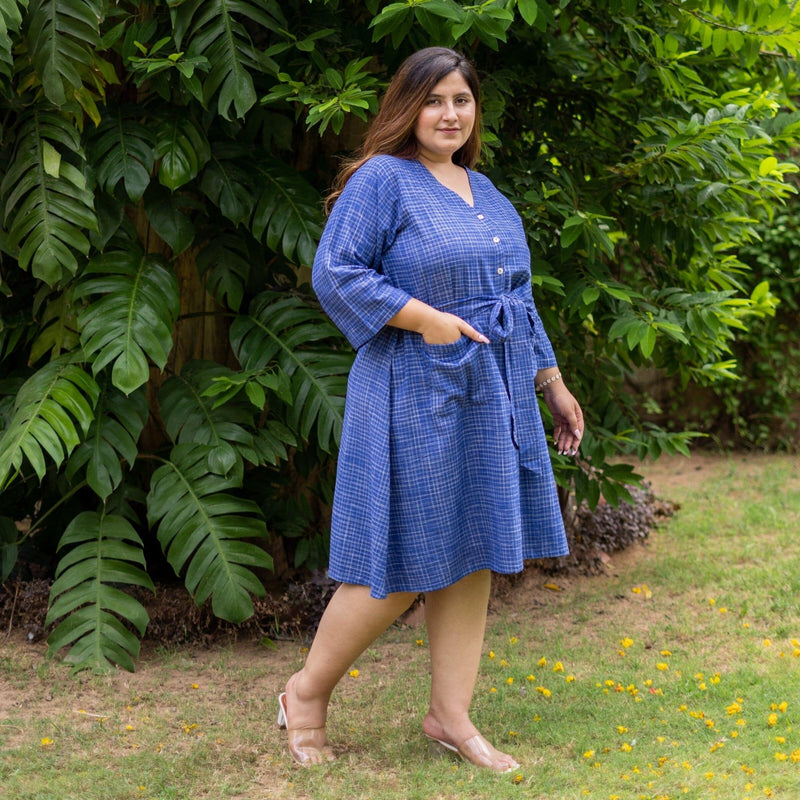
(58, 326)
(119, 420)
(47, 206)
(62, 36)
(52, 412)
(9, 549)
(122, 150)
(225, 260)
(218, 30)
(104, 550)
(16, 330)
(190, 417)
(10, 23)
(133, 319)
(168, 219)
(286, 332)
(202, 528)
(227, 182)
(287, 213)
(182, 150)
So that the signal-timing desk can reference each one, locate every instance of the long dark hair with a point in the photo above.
(392, 130)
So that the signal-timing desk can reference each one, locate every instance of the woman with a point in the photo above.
(443, 472)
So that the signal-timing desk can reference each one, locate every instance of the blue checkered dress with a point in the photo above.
(443, 468)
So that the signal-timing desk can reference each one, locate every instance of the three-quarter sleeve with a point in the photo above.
(347, 274)
(542, 348)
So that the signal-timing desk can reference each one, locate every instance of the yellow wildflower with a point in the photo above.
(354, 673)
(46, 742)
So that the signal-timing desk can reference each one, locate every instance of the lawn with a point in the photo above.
(674, 675)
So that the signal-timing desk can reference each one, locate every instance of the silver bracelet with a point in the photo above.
(551, 379)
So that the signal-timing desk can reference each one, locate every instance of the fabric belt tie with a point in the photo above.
(508, 313)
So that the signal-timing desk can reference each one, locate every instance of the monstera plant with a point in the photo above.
(170, 392)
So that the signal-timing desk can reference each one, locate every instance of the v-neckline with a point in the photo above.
(453, 191)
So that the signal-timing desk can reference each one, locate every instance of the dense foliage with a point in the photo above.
(161, 171)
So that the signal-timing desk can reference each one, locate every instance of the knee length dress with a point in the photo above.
(443, 467)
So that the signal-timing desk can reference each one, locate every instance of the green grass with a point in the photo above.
(674, 676)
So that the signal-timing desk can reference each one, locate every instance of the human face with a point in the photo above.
(446, 120)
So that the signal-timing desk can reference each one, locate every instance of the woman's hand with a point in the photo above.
(567, 418)
(444, 328)
(436, 327)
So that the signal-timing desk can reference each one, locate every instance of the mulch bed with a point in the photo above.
(293, 610)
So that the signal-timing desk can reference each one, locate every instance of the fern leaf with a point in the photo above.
(189, 416)
(216, 30)
(47, 206)
(202, 529)
(287, 213)
(133, 320)
(52, 412)
(62, 37)
(283, 331)
(104, 549)
(112, 438)
(123, 151)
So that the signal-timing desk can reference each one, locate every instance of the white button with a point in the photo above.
(480, 216)
(496, 239)
(499, 270)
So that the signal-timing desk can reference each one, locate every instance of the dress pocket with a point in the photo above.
(456, 374)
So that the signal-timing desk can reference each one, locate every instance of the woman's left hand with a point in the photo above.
(567, 419)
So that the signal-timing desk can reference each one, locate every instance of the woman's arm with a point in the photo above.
(436, 327)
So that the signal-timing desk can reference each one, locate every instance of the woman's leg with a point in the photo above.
(351, 622)
(456, 621)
